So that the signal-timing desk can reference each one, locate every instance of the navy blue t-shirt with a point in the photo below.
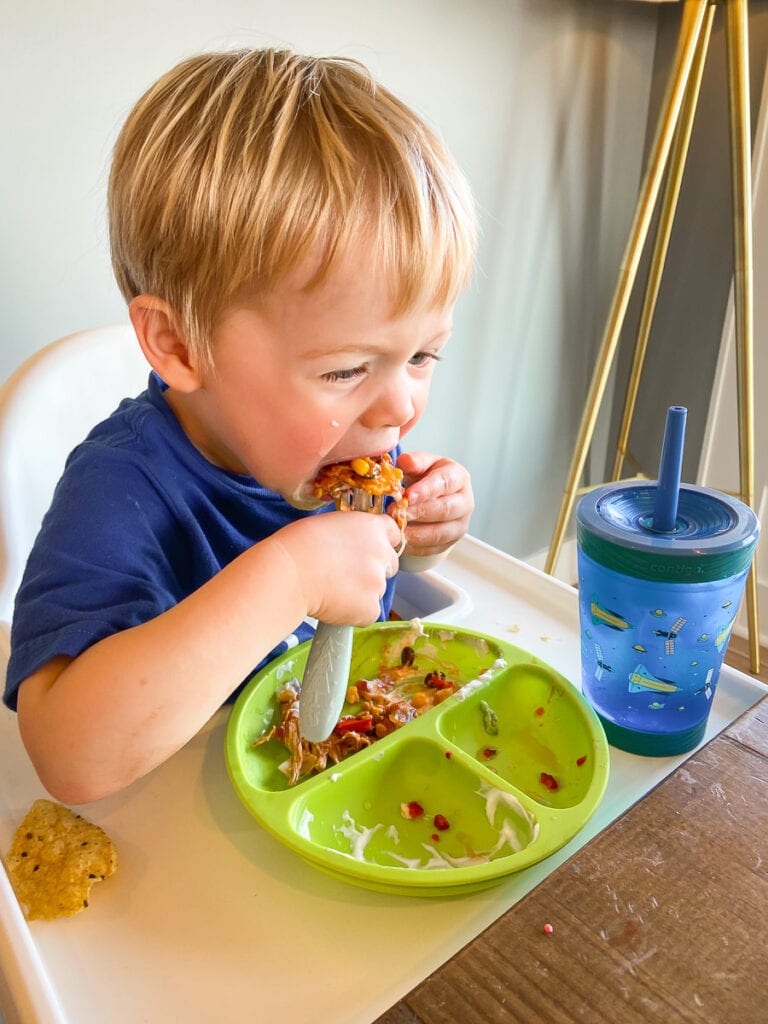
(139, 520)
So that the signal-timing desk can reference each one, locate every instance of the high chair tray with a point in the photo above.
(210, 916)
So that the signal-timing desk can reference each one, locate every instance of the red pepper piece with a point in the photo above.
(549, 781)
(362, 724)
(489, 752)
(441, 822)
(539, 712)
(412, 810)
(437, 681)
(580, 760)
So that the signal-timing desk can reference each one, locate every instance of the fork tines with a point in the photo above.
(357, 500)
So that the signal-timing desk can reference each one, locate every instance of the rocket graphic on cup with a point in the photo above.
(662, 568)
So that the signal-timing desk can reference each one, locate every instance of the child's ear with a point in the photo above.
(163, 342)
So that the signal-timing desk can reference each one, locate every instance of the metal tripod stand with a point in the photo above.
(668, 154)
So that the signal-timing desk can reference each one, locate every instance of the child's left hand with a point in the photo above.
(440, 502)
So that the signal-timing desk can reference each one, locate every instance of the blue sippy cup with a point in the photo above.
(661, 576)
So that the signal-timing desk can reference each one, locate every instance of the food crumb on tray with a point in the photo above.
(55, 858)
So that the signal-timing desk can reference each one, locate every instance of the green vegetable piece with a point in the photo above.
(490, 721)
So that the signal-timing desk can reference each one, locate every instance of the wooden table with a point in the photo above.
(663, 917)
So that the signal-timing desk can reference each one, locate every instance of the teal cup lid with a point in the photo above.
(714, 536)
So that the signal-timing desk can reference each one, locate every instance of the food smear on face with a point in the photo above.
(374, 474)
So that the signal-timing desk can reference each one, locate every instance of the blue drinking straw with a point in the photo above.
(670, 468)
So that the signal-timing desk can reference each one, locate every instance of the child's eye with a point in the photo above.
(423, 358)
(342, 375)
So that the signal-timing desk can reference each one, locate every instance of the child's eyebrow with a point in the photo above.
(366, 348)
(358, 348)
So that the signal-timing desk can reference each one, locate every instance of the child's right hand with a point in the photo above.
(342, 562)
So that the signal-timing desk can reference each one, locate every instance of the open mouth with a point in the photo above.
(375, 474)
(363, 480)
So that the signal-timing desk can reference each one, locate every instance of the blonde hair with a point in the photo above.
(235, 167)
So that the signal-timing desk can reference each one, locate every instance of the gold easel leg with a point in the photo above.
(736, 37)
(692, 19)
(667, 210)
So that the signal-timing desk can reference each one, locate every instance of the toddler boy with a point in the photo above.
(291, 240)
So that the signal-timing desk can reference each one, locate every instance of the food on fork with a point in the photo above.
(374, 474)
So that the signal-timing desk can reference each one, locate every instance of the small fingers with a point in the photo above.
(434, 538)
(442, 495)
(439, 481)
(441, 509)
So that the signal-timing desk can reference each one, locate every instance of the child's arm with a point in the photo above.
(440, 503)
(96, 723)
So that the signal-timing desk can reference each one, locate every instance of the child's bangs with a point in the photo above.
(426, 250)
(350, 165)
(418, 232)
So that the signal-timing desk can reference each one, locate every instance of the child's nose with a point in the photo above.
(392, 407)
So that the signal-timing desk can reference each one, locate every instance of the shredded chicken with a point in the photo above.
(386, 703)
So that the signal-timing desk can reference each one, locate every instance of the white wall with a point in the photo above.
(543, 101)
(719, 467)
(682, 352)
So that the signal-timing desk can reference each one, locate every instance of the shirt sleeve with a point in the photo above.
(108, 557)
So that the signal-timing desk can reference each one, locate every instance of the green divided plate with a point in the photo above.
(510, 799)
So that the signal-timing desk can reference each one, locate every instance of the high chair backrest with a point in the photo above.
(47, 406)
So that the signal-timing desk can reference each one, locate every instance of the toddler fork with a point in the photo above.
(326, 675)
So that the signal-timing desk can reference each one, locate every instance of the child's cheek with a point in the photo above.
(307, 447)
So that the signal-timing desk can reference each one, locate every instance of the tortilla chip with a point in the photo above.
(55, 858)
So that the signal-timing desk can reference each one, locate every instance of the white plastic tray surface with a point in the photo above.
(210, 918)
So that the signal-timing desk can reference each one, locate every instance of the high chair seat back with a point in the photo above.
(47, 406)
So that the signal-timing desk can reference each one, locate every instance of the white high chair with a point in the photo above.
(47, 406)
